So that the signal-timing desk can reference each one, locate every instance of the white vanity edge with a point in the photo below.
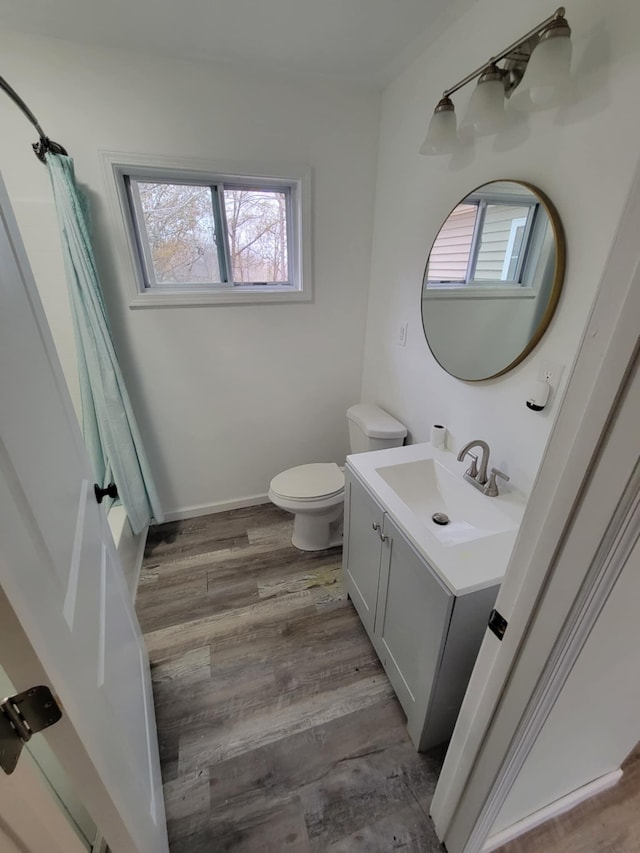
(463, 568)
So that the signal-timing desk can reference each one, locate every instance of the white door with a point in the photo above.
(65, 614)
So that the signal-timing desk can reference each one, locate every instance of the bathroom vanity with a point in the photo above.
(424, 591)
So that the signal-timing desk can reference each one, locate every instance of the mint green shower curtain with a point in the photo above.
(108, 423)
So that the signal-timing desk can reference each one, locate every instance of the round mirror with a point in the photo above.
(493, 279)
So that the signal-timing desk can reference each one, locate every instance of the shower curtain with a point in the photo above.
(110, 431)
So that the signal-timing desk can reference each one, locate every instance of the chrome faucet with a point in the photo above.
(478, 476)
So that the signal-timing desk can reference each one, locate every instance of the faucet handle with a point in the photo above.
(472, 470)
(491, 488)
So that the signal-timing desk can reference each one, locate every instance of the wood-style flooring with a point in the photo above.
(279, 731)
(607, 823)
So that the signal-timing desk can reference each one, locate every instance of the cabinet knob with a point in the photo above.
(385, 538)
(376, 526)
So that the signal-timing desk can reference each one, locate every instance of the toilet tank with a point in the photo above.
(371, 428)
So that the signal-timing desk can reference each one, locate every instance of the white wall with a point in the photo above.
(227, 396)
(581, 156)
(594, 724)
(230, 395)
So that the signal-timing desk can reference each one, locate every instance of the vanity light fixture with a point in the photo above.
(538, 63)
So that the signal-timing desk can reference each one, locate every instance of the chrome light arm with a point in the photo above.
(533, 36)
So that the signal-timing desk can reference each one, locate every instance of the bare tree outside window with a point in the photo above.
(180, 227)
(214, 233)
(257, 227)
(203, 234)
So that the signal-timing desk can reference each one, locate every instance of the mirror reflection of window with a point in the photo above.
(514, 248)
(449, 259)
(495, 259)
(482, 243)
(492, 280)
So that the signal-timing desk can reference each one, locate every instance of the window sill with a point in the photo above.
(479, 292)
(230, 296)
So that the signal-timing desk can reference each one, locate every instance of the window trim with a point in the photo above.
(117, 166)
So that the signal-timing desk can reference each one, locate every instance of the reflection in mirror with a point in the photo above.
(492, 280)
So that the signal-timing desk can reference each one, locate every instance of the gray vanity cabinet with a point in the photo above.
(413, 612)
(363, 520)
(426, 637)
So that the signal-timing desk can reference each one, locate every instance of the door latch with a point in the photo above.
(497, 624)
(22, 716)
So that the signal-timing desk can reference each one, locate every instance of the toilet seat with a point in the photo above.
(315, 493)
(314, 482)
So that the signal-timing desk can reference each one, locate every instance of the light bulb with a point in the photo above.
(442, 137)
(548, 71)
(485, 113)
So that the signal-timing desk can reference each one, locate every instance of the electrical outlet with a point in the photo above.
(402, 335)
(551, 372)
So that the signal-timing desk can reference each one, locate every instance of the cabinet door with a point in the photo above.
(361, 564)
(414, 609)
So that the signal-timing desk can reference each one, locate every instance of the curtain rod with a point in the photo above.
(44, 144)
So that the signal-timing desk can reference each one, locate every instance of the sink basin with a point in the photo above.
(427, 487)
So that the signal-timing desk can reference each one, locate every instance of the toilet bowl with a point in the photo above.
(314, 493)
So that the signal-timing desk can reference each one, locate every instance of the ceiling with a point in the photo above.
(360, 40)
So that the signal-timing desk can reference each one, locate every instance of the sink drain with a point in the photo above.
(440, 518)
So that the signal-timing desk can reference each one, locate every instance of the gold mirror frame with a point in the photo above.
(556, 287)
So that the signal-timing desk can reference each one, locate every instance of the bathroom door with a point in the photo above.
(66, 619)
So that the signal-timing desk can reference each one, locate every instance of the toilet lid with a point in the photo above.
(317, 480)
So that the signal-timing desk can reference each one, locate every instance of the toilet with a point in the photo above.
(314, 493)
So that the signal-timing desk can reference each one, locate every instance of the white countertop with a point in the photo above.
(463, 567)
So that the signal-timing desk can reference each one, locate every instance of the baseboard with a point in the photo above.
(564, 804)
(208, 509)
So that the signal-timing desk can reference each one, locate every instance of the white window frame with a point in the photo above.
(483, 203)
(508, 255)
(294, 179)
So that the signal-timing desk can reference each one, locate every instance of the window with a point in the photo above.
(198, 236)
(483, 243)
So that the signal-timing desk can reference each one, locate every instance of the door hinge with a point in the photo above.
(497, 624)
(21, 716)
